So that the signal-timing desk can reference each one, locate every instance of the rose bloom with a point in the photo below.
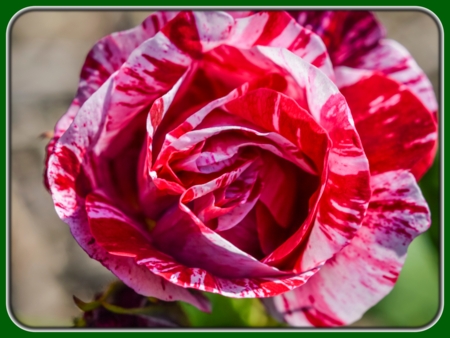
(270, 154)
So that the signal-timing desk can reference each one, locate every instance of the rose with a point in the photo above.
(249, 154)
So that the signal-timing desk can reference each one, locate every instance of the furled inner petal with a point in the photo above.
(243, 235)
(226, 207)
(223, 137)
(337, 220)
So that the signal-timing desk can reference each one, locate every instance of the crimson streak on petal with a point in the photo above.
(362, 273)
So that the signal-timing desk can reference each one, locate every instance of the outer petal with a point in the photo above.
(101, 215)
(123, 237)
(393, 60)
(106, 57)
(70, 179)
(366, 270)
(346, 34)
(396, 129)
(269, 28)
(150, 71)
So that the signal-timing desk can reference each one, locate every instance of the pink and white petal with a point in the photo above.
(128, 245)
(148, 189)
(106, 57)
(393, 60)
(158, 62)
(68, 158)
(346, 34)
(345, 191)
(142, 77)
(246, 161)
(149, 72)
(207, 82)
(245, 192)
(209, 122)
(159, 109)
(197, 90)
(235, 215)
(110, 53)
(279, 29)
(69, 187)
(138, 278)
(178, 139)
(152, 70)
(234, 288)
(280, 114)
(366, 270)
(205, 248)
(396, 129)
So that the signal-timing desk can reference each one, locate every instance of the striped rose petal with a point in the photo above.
(393, 60)
(210, 121)
(396, 129)
(139, 81)
(279, 29)
(70, 181)
(183, 140)
(151, 70)
(106, 57)
(124, 237)
(347, 34)
(345, 190)
(213, 151)
(291, 119)
(366, 270)
(90, 132)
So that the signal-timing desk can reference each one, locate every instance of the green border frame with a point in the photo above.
(8, 12)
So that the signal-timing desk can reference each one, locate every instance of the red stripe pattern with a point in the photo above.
(241, 155)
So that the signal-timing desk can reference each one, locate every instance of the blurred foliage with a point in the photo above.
(430, 185)
(230, 312)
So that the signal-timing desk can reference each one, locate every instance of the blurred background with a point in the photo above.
(48, 267)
